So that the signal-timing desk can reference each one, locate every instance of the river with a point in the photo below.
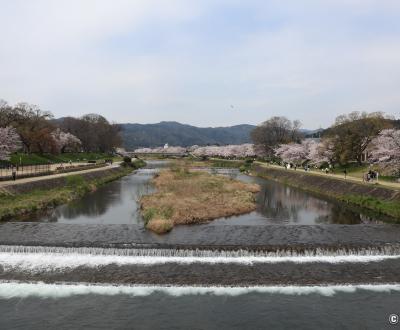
(116, 203)
(299, 261)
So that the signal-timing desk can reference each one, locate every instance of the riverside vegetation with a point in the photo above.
(186, 196)
(76, 186)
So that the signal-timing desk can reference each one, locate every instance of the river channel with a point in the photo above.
(300, 261)
(117, 203)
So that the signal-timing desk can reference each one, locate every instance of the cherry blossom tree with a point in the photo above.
(65, 142)
(229, 151)
(9, 142)
(321, 152)
(161, 150)
(385, 150)
(309, 150)
(295, 153)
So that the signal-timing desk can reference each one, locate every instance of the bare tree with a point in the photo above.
(274, 132)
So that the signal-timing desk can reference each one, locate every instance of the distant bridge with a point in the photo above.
(158, 154)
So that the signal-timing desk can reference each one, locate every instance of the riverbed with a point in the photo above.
(300, 261)
(117, 203)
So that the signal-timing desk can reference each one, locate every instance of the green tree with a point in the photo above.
(351, 134)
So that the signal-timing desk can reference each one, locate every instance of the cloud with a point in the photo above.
(146, 61)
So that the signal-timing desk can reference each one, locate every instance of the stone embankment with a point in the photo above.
(372, 196)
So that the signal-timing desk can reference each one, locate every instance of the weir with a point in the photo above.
(386, 250)
(293, 239)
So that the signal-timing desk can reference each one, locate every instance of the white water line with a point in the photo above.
(39, 262)
(388, 250)
(10, 290)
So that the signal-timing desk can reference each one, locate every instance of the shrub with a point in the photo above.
(127, 160)
(160, 226)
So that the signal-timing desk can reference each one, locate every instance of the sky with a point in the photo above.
(204, 62)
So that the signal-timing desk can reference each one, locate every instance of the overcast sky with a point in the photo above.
(204, 62)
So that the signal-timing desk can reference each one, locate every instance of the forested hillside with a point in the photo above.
(153, 135)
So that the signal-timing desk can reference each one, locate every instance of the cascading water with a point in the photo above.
(24, 290)
(39, 259)
(386, 250)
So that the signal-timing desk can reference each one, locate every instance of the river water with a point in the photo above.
(361, 309)
(116, 203)
(299, 262)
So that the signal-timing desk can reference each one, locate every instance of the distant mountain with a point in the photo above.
(316, 133)
(176, 134)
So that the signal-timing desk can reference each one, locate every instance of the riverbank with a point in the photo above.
(192, 197)
(40, 159)
(25, 198)
(377, 198)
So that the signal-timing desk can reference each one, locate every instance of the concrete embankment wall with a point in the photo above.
(327, 185)
(51, 183)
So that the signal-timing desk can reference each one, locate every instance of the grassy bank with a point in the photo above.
(76, 186)
(40, 159)
(191, 197)
(390, 208)
(361, 198)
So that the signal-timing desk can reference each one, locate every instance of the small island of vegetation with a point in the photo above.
(187, 196)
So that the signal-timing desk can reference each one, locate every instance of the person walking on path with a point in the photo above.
(345, 173)
(14, 173)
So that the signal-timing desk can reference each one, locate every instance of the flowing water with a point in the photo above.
(298, 262)
(116, 203)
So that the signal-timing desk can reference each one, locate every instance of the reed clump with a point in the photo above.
(191, 197)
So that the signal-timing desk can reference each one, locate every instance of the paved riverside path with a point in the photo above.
(8, 183)
(381, 183)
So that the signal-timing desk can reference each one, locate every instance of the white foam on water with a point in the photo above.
(392, 250)
(38, 262)
(10, 290)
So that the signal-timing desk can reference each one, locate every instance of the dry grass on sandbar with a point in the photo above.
(185, 197)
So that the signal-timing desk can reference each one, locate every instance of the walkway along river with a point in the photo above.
(299, 261)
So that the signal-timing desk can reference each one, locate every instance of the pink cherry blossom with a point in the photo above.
(65, 142)
(385, 150)
(9, 142)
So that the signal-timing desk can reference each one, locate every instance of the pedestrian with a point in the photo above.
(370, 176)
(326, 170)
(345, 173)
(14, 173)
(377, 176)
(295, 167)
